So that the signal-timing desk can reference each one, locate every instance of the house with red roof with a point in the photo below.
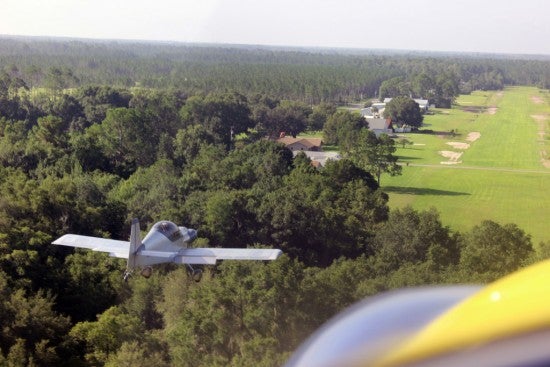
(299, 144)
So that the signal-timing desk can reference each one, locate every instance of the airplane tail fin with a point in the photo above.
(135, 242)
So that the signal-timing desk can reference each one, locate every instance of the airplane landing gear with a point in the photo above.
(127, 274)
(146, 272)
(196, 274)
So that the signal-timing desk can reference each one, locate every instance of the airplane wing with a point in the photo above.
(115, 248)
(206, 256)
(209, 256)
(236, 253)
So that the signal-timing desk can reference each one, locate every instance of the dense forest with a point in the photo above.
(95, 134)
(309, 75)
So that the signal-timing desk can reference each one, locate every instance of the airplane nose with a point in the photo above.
(191, 234)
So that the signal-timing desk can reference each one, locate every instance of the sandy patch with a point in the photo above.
(474, 109)
(473, 136)
(537, 100)
(544, 159)
(492, 110)
(540, 120)
(419, 144)
(500, 94)
(453, 157)
(457, 145)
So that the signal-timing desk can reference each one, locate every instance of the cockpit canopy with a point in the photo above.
(168, 229)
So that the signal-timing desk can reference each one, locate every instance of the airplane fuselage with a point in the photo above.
(164, 237)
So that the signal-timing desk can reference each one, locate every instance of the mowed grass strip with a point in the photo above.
(509, 137)
(501, 176)
(466, 197)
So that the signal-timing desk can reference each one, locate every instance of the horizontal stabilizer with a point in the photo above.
(113, 247)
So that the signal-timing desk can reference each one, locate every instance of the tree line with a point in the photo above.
(311, 76)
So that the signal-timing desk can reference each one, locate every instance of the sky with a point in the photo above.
(492, 26)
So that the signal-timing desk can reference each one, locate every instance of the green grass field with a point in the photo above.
(501, 176)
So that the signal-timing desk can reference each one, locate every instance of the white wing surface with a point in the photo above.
(232, 253)
(206, 256)
(115, 248)
(209, 255)
(182, 257)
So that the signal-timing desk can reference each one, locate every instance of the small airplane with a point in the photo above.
(165, 243)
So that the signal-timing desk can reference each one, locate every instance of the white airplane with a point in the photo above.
(165, 243)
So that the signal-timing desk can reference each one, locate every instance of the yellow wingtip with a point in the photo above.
(518, 303)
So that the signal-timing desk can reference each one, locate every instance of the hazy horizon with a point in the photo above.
(469, 26)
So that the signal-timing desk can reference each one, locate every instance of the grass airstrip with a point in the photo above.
(488, 157)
